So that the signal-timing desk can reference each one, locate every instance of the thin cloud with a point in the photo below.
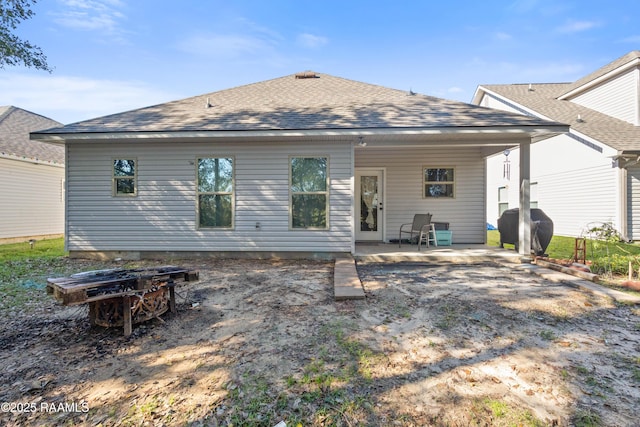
(226, 45)
(311, 40)
(91, 15)
(242, 38)
(577, 26)
(502, 36)
(523, 6)
(70, 98)
(630, 39)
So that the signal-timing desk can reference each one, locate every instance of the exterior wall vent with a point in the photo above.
(307, 75)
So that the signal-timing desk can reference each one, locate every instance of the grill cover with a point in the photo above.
(541, 229)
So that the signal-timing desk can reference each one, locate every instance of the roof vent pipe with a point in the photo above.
(306, 75)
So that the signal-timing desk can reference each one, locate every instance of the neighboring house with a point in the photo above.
(32, 190)
(589, 176)
(301, 165)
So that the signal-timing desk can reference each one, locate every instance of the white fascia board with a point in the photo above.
(522, 107)
(61, 138)
(477, 95)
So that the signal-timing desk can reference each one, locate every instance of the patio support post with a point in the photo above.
(524, 220)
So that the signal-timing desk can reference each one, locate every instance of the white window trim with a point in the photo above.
(425, 182)
(326, 192)
(232, 193)
(115, 178)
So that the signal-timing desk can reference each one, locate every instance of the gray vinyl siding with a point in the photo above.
(404, 188)
(162, 217)
(32, 199)
(617, 98)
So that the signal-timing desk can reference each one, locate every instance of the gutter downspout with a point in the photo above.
(352, 185)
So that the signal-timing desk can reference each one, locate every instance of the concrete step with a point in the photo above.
(346, 283)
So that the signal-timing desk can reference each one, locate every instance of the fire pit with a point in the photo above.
(122, 297)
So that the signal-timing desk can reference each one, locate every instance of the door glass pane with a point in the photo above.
(368, 203)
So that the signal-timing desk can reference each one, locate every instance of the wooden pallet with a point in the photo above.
(95, 285)
(122, 297)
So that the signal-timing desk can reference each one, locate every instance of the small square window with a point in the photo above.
(439, 182)
(124, 177)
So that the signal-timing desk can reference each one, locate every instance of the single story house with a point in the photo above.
(588, 176)
(32, 190)
(303, 165)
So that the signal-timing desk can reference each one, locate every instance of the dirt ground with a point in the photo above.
(259, 342)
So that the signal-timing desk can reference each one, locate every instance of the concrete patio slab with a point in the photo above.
(473, 254)
(457, 253)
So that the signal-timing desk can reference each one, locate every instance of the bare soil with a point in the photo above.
(259, 342)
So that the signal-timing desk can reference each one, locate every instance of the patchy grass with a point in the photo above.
(502, 414)
(24, 271)
(41, 249)
(586, 418)
(610, 258)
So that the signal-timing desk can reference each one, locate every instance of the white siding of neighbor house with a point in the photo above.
(576, 185)
(617, 97)
(162, 217)
(404, 188)
(32, 199)
(491, 102)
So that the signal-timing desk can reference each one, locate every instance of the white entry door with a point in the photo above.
(369, 204)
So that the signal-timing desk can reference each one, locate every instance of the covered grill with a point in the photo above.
(541, 229)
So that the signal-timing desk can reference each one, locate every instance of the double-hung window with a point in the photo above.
(438, 183)
(309, 192)
(124, 177)
(215, 191)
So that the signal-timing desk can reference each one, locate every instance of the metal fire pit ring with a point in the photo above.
(111, 313)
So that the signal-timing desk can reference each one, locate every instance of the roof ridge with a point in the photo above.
(543, 102)
(602, 71)
(6, 113)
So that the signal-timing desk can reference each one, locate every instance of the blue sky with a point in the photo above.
(111, 56)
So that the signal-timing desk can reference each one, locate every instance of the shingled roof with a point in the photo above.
(630, 58)
(547, 100)
(303, 101)
(15, 125)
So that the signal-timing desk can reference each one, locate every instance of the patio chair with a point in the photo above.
(420, 227)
